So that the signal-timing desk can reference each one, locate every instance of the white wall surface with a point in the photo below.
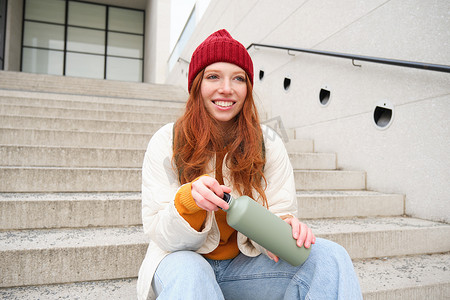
(157, 39)
(411, 156)
(179, 14)
(13, 35)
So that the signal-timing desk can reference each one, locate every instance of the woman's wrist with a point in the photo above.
(284, 217)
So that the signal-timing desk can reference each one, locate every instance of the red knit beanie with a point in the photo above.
(219, 47)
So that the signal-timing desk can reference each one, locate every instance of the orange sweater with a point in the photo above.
(196, 216)
(188, 209)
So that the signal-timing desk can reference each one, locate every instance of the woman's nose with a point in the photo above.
(226, 87)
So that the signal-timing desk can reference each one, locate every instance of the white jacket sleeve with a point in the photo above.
(161, 220)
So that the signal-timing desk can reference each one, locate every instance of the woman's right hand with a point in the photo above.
(207, 193)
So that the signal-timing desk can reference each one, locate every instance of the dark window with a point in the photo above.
(75, 38)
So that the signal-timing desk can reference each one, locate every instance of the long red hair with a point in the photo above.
(198, 138)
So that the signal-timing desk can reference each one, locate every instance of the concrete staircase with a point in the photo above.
(71, 151)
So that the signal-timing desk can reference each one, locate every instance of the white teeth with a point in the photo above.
(223, 103)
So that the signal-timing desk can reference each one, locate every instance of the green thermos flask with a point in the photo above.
(260, 225)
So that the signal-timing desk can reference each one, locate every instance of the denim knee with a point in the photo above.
(327, 261)
(331, 250)
(186, 266)
(330, 267)
(186, 274)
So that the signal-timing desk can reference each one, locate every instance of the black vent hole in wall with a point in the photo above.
(261, 75)
(383, 114)
(286, 83)
(324, 96)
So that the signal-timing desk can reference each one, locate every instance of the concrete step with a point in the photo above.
(86, 86)
(70, 101)
(402, 278)
(384, 236)
(118, 289)
(59, 210)
(300, 146)
(329, 180)
(34, 257)
(313, 161)
(41, 156)
(68, 210)
(405, 278)
(57, 179)
(344, 204)
(65, 124)
(64, 138)
(83, 114)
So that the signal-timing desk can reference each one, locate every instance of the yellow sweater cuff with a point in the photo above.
(188, 209)
(185, 201)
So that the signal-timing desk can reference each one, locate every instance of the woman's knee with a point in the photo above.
(185, 273)
(184, 266)
(330, 253)
(327, 247)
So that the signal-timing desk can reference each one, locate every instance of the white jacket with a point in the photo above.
(168, 231)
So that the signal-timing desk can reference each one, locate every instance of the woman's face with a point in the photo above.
(223, 90)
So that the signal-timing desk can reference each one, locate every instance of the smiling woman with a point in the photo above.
(217, 146)
(221, 117)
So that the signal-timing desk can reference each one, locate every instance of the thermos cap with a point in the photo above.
(226, 197)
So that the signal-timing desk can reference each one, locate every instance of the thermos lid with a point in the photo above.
(226, 197)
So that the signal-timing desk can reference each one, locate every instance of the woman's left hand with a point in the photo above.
(300, 232)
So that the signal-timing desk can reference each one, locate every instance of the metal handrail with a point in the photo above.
(353, 57)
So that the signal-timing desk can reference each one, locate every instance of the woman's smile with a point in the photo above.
(224, 104)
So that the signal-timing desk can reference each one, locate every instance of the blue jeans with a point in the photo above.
(328, 273)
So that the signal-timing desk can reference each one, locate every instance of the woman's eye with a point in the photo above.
(240, 78)
(212, 76)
